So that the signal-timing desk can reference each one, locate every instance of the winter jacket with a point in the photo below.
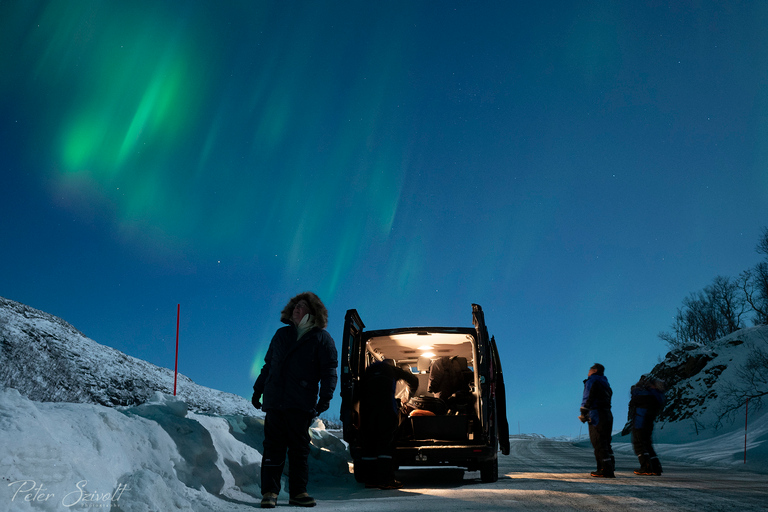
(596, 398)
(293, 368)
(446, 376)
(378, 386)
(644, 404)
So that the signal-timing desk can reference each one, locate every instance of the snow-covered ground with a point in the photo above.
(155, 456)
(159, 456)
(726, 449)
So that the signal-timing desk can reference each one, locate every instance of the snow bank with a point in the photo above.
(154, 456)
(726, 449)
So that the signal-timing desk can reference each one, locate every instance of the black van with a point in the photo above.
(464, 429)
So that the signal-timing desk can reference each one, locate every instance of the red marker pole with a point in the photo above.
(176, 368)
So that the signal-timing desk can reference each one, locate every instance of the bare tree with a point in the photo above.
(750, 384)
(708, 315)
(762, 244)
(729, 304)
(680, 335)
(754, 284)
(690, 324)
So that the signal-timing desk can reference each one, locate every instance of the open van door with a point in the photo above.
(494, 404)
(501, 400)
(352, 366)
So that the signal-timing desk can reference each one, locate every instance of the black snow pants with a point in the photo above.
(286, 429)
(642, 443)
(600, 436)
(377, 431)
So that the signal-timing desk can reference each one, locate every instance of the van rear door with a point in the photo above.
(352, 366)
(501, 399)
(494, 405)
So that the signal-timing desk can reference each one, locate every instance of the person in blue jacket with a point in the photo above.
(297, 383)
(596, 411)
(647, 399)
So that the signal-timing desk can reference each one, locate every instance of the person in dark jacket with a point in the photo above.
(596, 411)
(647, 399)
(379, 419)
(296, 384)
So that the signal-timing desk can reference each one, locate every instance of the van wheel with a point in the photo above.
(489, 471)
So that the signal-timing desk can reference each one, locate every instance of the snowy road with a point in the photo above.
(542, 474)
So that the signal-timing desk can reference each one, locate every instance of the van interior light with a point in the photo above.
(428, 354)
(425, 347)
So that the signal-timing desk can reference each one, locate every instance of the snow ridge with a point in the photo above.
(48, 360)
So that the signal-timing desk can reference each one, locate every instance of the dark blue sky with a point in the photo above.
(575, 168)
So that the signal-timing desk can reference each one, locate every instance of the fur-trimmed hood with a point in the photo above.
(318, 311)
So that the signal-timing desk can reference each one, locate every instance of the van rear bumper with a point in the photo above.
(468, 456)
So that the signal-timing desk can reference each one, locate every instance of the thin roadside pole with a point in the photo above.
(746, 419)
(176, 366)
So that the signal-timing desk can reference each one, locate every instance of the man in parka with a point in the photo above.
(297, 383)
(647, 399)
(596, 410)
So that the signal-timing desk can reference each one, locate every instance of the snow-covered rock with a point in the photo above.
(703, 383)
(706, 418)
(48, 360)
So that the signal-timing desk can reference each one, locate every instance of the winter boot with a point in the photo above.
(655, 466)
(645, 465)
(302, 500)
(605, 469)
(386, 473)
(609, 467)
(269, 500)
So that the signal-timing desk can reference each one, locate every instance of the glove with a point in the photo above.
(256, 400)
(583, 417)
(322, 406)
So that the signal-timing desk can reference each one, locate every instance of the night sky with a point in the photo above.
(576, 168)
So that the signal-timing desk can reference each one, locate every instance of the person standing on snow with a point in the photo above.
(300, 356)
(596, 410)
(379, 421)
(647, 399)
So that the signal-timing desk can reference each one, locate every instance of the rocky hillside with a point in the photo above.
(707, 386)
(48, 360)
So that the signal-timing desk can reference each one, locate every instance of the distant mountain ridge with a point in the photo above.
(48, 360)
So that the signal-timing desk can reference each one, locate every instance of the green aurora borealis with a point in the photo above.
(575, 168)
(225, 130)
